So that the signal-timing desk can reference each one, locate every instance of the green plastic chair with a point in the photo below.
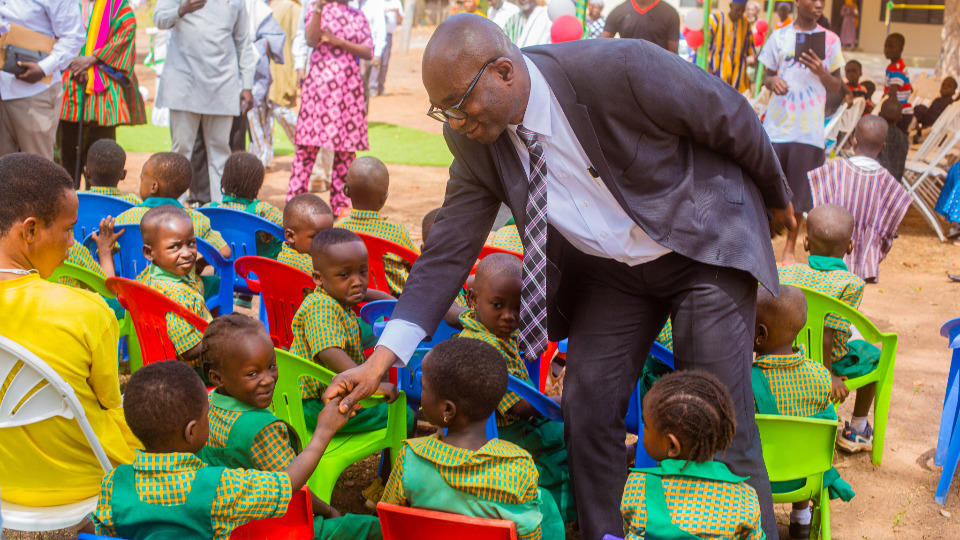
(796, 448)
(96, 283)
(346, 449)
(811, 337)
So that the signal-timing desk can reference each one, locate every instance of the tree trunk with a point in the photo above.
(949, 63)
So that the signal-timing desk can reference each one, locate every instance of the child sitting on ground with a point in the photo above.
(687, 419)
(304, 216)
(165, 177)
(168, 492)
(875, 198)
(367, 184)
(105, 169)
(786, 382)
(171, 247)
(829, 232)
(239, 359)
(494, 318)
(926, 116)
(461, 471)
(896, 81)
(893, 157)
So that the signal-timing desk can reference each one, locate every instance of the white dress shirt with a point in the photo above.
(56, 18)
(392, 10)
(579, 206)
(502, 15)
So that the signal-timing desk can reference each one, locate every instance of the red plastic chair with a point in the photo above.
(376, 249)
(490, 250)
(295, 524)
(282, 289)
(148, 310)
(403, 523)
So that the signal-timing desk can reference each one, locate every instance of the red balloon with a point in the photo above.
(694, 38)
(761, 27)
(566, 28)
(758, 40)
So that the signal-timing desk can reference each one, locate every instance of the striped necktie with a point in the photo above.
(533, 303)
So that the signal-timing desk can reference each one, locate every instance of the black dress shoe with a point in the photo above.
(799, 531)
(953, 277)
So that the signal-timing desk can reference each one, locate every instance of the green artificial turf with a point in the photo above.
(389, 142)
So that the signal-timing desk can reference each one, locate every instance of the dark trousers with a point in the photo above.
(200, 186)
(68, 144)
(617, 313)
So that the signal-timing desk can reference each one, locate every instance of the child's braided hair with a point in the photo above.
(696, 407)
(242, 175)
(220, 334)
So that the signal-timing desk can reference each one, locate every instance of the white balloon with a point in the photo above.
(693, 19)
(557, 8)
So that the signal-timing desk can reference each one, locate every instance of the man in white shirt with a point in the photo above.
(30, 107)
(500, 12)
(635, 203)
(373, 10)
(530, 25)
(393, 14)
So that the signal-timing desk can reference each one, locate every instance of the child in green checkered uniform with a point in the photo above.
(105, 169)
(168, 492)
(79, 255)
(241, 182)
(304, 216)
(494, 318)
(786, 382)
(688, 495)
(239, 359)
(367, 184)
(829, 238)
(459, 470)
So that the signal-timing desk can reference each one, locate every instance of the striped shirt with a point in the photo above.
(80, 256)
(896, 74)
(875, 198)
(292, 257)
(166, 479)
(271, 449)
(186, 291)
(508, 237)
(321, 323)
(201, 224)
(115, 192)
(800, 386)
(730, 45)
(371, 223)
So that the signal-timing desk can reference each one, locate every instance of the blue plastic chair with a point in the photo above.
(634, 417)
(88, 536)
(543, 404)
(224, 269)
(93, 208)
(128, 260)
(372, 312)
(611, 537)
(240, 230)
(948, 442)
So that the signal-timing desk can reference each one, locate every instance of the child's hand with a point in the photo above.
(838, 389)
(388, 391)
(323, 509)
(106, 237)
(331, 419)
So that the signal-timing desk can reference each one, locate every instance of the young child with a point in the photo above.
(165, 177)
(170, 245)
(304, 216)
(367, 185)
(461, 471)
(687, 419)
(854, 71)
(239, 359)
(875, 198)
(79, 255)
(896, 82)
(494, 318)
(508, 238)
(829, 232)
(786, 382)
(794, 120)
(893, 157)
(105, 169)
(926, 116)
(167, 491)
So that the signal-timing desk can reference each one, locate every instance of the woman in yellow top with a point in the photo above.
(73, 331)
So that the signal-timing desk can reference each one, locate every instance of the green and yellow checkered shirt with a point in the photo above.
(186, 291)
(114, 192)
(508, 237)
(292, 257)
(165, 479)
(265, 210)
(80, 256)
(371, 223)
(709, 509)
(271, 450)
(321, 323)
(839, 284)
(800, 386)
(201, 224)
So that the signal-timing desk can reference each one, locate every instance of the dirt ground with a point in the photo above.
(912, 299)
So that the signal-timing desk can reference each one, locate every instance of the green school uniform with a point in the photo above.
(141, 520)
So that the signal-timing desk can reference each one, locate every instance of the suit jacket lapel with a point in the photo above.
(513, 177)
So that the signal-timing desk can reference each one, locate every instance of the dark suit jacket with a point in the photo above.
(682, 152)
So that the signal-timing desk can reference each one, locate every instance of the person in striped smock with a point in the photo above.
(896, 82)
(688, 495)
(868, 191)
(105, 169)
(304, 216)
(459, 470)
(368, 182)
(731, 47)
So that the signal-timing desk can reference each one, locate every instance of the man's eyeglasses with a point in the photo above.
(455, 112)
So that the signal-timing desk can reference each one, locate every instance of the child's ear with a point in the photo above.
(215, 378)
(193, 436)
(449, 411)
(675, 448)
(850, 247)
(148, 252)
(761, 334)
(383, 199)
(472, 298)
(289, 236)
(86, 172)
(346, 190)
(123, 174)
(154, 187)
(318, 279)
(806, 244)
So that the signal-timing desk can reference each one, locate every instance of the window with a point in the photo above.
(917, 16)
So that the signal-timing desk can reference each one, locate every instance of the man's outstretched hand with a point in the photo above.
(783, 219)
(362, 381)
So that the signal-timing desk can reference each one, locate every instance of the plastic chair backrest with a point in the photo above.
(940, 134)
(405, 523)
(788, 460)
(546, 406)
(833, 126)
(240, 230)
(224, 269)
(372, 313)
(610, 536)
(819, 306)
(376, 249)
(282, 289)
(128, 259)
(35, 392)
(88, 536)
(81, 274)
(148, 309)
(295, 524)
(94, 207)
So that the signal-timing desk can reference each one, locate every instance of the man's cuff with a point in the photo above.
(402, 337)
(48, 65)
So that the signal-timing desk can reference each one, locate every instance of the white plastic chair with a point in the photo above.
(848, 123)
(832, 129)
(51, 397)
(924, 174)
